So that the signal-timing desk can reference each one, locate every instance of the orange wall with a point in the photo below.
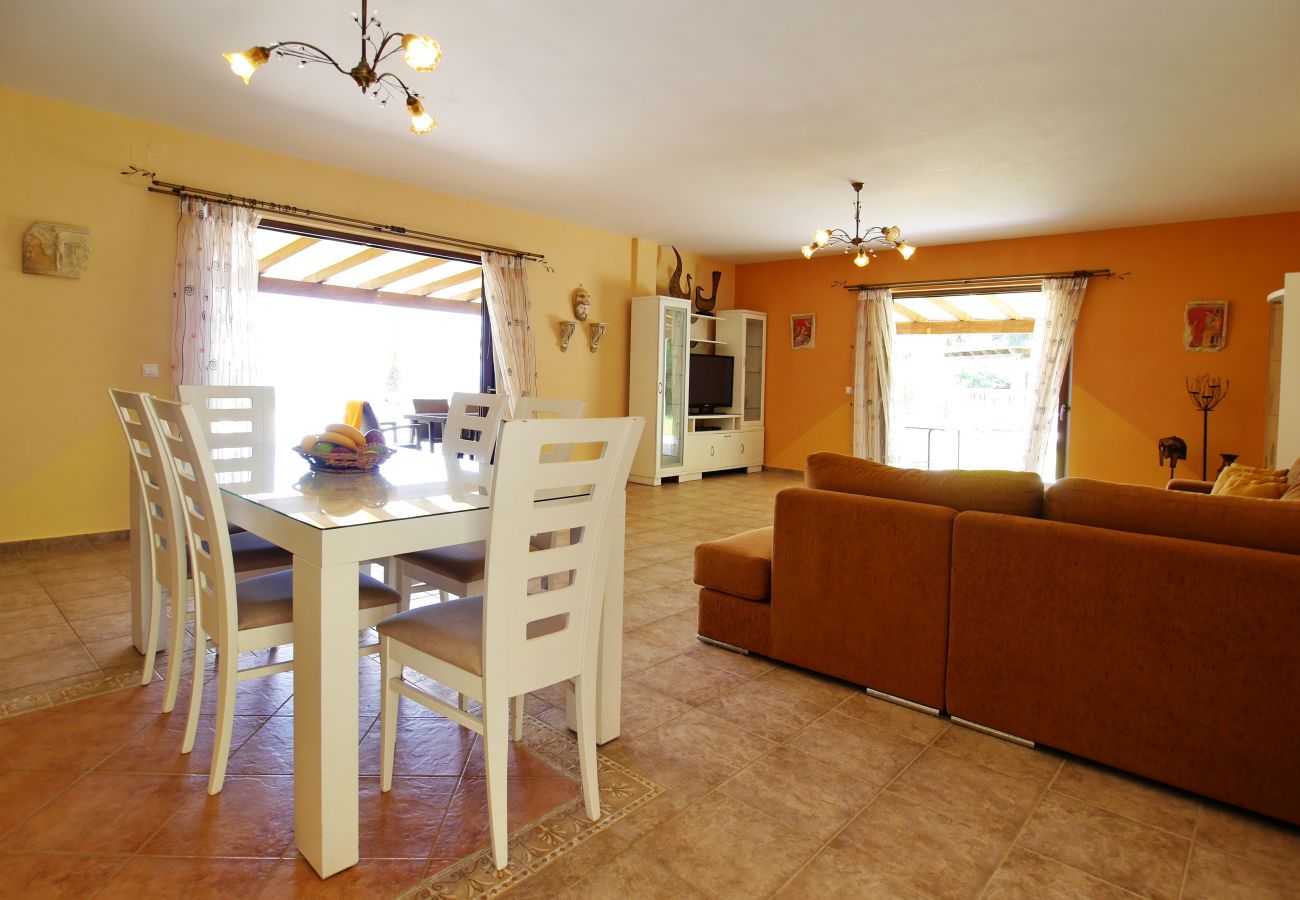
(1129, 359)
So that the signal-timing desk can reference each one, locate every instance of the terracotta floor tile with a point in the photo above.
(728, 848)
(193, 879)
(22, 793)
(968, 791)
(268, 751)
(832, 873)
(1215, 875)
(98, 628)
(697, 743)
(89, 569)
(764, 710)
(156, 749)
(77, 606)
(24, 598)
(370, 879)
(405, 820)
(808, 686)
(258, 697)
(104, 813)
(921, 848)
(51, 876)
(1027, 874)
(84, 588)
(1137, 857)
(252, 816)
(18, 582)
(40, 614)
(632, 875)
(1266, 842)
(794, 788)
(519, 762)
(910, 723)
(64, 739)
(1128, 795)
(687, 680)
(746, 666)
(1035, 765)
(644, 708)
(39, 640)
(37, 668)
(424, 747)
(465, 826)
(863, 750)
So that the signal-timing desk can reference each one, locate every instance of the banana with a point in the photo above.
(338, 437)
(356, 435)
(309, 441)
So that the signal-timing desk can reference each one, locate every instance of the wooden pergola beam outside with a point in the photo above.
(1004, 307)
(451, 281)
(968, 326)
(908, 313)
(297, 245)
(343, 265)
(415, 268)
(358, 295)
(952, 309)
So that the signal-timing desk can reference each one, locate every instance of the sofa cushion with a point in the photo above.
(740, 565)
(1236, 521)
(995, 491)
(1234, 480)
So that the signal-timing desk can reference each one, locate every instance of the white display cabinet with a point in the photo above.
(683, 444)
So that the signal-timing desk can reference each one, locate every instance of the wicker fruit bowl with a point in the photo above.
(347, 461)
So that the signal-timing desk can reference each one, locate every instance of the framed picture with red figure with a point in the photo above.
(803, 331)
(1205, 325)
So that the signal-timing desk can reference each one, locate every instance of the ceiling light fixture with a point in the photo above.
(860, 243)
(421, 53)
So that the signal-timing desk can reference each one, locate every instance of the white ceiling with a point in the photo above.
(733, 127)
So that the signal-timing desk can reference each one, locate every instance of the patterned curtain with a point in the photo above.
(873, 410)
(1052, 343)
(214, 293)
(505, 291)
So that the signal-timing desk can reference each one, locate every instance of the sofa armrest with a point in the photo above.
(860, 589)
(1189, 485)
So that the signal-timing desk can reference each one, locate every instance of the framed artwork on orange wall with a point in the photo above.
(803, 331)
(1205, 325)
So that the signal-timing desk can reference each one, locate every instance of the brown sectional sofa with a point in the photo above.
(1155, 631)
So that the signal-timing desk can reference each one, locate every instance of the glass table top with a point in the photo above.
(409, 485)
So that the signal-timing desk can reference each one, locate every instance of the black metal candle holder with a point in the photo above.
(1207, 392)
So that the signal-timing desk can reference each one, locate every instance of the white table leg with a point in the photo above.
(325, 767)
(141, 577)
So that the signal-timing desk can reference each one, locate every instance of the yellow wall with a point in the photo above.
(65, 341)
(1129, 360)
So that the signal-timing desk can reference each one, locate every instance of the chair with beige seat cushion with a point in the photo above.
(458, 570)
(169, 565)
(240, 617)
(514, 639)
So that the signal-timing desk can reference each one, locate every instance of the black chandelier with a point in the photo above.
(860, 244)
(421, 53)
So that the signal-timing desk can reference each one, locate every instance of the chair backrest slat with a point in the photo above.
(238, 421)
(204, 515)
(550, 408)
(539, 638)
(158, 493)
(473, 434)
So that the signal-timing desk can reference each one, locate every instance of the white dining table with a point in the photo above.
(331, 524)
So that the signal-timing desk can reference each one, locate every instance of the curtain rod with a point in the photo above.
(157, 186)
(991, 280)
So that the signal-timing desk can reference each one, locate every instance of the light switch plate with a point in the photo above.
(149, 370)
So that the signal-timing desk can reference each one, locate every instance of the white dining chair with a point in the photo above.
(511, 641)
(457, 570)
(238, 423)
(239, 616)
(169, 565)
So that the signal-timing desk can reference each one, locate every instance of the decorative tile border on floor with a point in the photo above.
(100, 684)
(539, 843)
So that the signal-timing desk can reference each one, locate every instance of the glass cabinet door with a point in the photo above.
(673, 387)
(754, 350)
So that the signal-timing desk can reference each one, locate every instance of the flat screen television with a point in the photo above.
(710, 384)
